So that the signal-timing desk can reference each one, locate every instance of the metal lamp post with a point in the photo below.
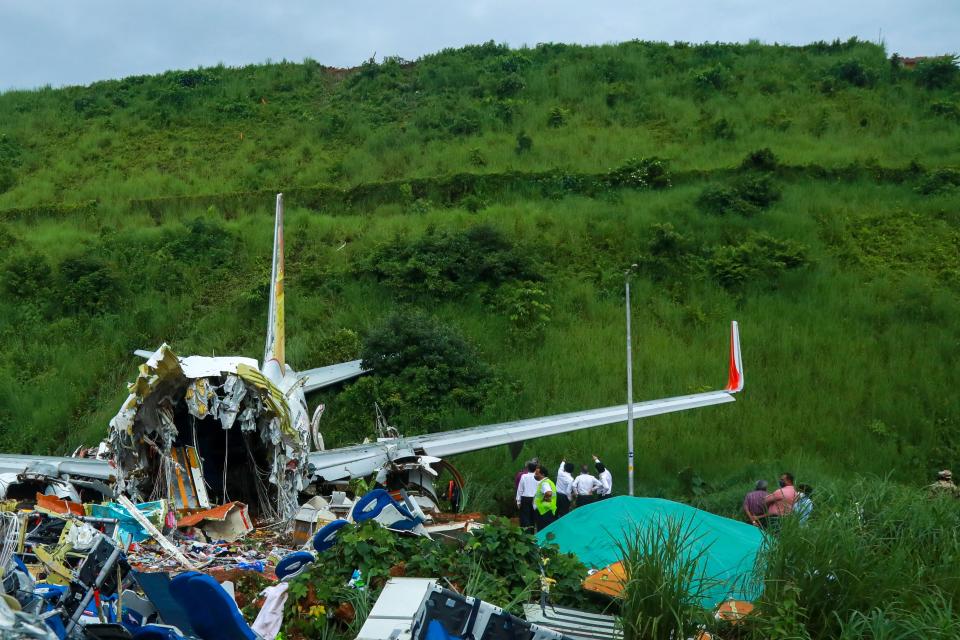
(626, 278)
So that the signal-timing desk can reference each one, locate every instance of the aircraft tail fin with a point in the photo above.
(735, 375)
(274, 349)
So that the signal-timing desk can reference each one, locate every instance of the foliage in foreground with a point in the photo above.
(499, 563)
(665, 582)
(875, 561)
(875, 558)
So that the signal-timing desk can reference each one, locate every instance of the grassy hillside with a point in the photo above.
(496, 196)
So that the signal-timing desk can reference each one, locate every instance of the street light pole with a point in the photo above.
(629, 392)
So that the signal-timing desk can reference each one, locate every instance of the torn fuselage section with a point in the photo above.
(434, 484)
(203, 431)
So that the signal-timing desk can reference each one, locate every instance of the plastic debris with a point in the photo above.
(228, 522)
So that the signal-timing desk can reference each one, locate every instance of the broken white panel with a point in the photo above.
(393, 613)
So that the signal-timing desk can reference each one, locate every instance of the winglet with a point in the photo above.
(735, 375)
(274, 349)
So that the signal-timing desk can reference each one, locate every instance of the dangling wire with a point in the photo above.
(259, 476)
(226, 452)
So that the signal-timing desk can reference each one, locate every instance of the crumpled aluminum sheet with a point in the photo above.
(234, 391)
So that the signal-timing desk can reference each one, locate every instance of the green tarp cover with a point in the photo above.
(591, 533)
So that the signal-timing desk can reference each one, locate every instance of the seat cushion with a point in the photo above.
(326, 537)
(158, 632)
(213, 613)
(158, 589)
(293, 564)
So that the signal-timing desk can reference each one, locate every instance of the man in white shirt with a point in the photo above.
(564, 487)
(585, 486)
(606, 480)
(526, 490)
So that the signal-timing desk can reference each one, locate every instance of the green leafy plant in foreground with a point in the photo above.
(499, 563)
(665, 581)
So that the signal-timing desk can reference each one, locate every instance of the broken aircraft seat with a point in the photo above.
(380, 506)
(213, 613)
(326, 537)
(156, 586)
(295, 563)
(119, 632)
(448, 615)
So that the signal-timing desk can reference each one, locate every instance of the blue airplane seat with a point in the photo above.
(293, 564)
(158, 588)
(369, 506)
(158, 632)
(326, 536)
(380, 506)
(213, 613)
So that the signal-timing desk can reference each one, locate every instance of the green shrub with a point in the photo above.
(8, 179)
(946, 109)
(940, 181)
(640, 173)
(525, 306)
(10, 151)
(88, 284)
(524, 143)
(669, 254)
(937, 73)
(510, 85)
(26, 276)
(476, 158)
(723, 129)
(442, 264)
(421, 368)
(715, 77)
(465, 123)
(498, 563)
(747, 196)
(339, 346)
(758, 259)
(853, 72)
(557, 117)
(760, 160)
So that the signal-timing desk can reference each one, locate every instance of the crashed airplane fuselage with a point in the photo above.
(203, 430)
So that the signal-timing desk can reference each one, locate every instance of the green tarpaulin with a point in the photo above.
(591, 533)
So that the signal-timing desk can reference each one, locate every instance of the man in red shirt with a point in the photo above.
(780, 502)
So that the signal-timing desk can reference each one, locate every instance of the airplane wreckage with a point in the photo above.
(198, 427)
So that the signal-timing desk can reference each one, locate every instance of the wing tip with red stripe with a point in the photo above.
(735, 373)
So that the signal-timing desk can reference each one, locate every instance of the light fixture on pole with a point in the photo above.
(626, 279)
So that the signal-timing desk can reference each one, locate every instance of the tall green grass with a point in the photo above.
(664, 582)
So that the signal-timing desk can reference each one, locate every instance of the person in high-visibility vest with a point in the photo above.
(545, 500)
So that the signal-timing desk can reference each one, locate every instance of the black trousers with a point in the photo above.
(544, 519)
(563, 505)
(585, 500)
(526, 513)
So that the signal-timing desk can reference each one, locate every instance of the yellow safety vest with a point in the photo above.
(548, 505)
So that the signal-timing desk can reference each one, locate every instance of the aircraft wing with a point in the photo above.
(362, 460)
(325, 376)
(57, 466)
(466, 440)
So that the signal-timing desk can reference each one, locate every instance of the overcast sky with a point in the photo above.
(61, 42)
